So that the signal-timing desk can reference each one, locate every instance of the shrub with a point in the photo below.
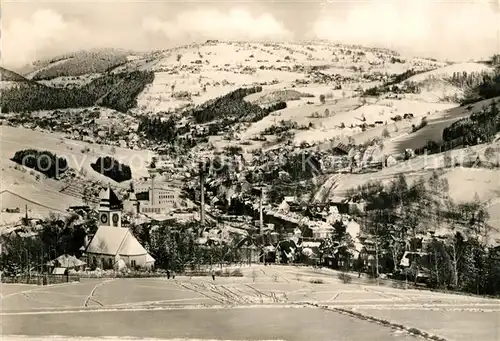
(322, 99)
(236, 273)
(254, 275)
(422, 124)
(233, 150)
(448, 162)
(316, 281)
(345, 277)
(385, 133)
(112, 169)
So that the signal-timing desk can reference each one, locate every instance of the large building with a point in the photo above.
(161, 198)
(113, 244)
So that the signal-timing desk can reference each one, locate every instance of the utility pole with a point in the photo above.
(26, 221)
(436, 266)
(261, 215)
(202, 194)
(376, 248)
(376, 255)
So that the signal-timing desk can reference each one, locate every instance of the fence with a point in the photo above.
(40, 279)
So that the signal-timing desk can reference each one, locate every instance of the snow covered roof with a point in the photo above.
(311, 244)
(115, 240)
(66, 261)
(59, 271)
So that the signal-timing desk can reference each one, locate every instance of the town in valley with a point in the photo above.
(205, 189)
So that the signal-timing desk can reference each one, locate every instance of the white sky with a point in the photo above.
(458, 30)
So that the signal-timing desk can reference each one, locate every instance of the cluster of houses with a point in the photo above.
(96, 125)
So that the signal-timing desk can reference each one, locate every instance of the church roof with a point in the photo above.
(115, 241)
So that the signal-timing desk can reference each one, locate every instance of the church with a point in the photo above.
(114, 246)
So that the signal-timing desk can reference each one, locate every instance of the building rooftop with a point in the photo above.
(115, 241)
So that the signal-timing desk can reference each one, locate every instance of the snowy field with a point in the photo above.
(277, 299)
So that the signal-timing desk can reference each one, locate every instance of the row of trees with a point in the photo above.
(116, 91)
(466, 80)
(484, 85)
(175, 246)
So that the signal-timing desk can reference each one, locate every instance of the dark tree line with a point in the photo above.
(80, 63)
(478, 128)
(112, 169)
(116, 91)
(44, 162)
(488, 86)
(174, 246)
(233, 105)
(391, 85)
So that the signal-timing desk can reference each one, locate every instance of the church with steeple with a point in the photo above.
(114, 245)
(110, 209)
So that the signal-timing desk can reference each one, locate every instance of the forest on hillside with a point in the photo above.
(480, 127)
(80, 63)
(233, 105)
(116, 91)
(483, 85)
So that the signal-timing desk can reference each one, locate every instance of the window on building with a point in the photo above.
(132, 263)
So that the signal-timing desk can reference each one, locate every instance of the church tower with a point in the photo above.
(110, 209)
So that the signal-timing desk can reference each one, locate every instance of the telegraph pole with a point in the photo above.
(261, 215)
(376, 253)
(202, 194)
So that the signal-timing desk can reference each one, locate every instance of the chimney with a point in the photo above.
(261, 215)
(202, 206)
(152, 199)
